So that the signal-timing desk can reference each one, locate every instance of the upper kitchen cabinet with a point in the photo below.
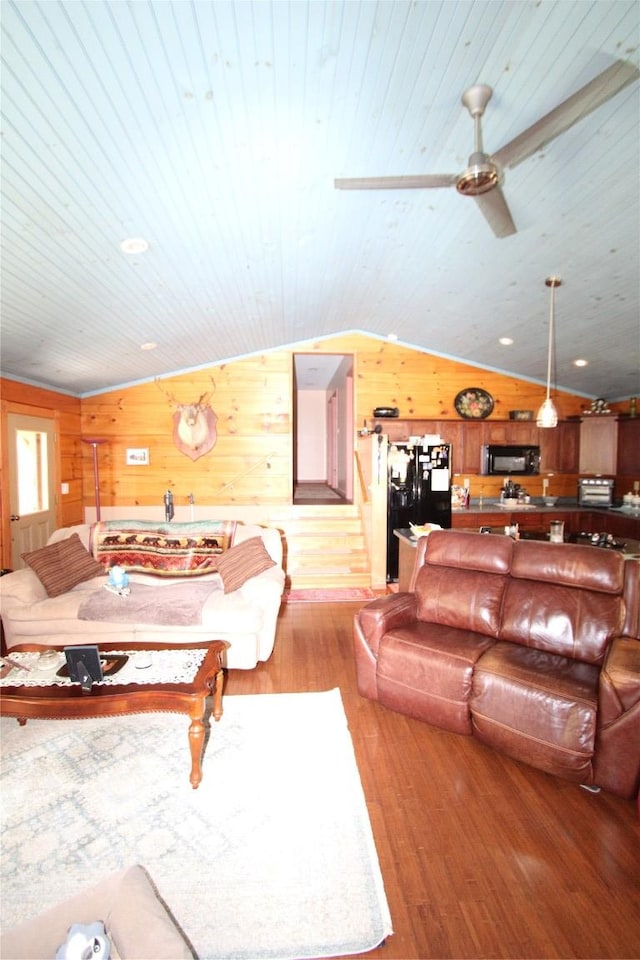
(559, 448)
(629, 447)
(599, 445)
(511, 432)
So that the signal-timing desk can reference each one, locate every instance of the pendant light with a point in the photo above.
(547, 414)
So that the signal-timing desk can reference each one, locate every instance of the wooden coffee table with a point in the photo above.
(67, 702)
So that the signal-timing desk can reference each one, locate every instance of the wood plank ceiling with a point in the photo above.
(215, 130)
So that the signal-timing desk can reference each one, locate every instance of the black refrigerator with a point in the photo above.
(418, 491)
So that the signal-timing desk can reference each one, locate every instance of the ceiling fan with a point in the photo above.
(482, 177)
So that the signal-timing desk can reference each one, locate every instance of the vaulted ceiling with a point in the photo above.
(215, 130)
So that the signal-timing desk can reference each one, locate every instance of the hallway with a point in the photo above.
(317, 494)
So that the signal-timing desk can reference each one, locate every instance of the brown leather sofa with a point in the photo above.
(531, 647)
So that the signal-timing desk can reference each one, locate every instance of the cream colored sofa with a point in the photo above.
(245, 617)
(135, 919)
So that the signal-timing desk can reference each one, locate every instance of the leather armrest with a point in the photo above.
(616, 763)
(619, 680)
(383, 614)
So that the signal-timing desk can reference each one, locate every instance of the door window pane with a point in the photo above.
(33, 485)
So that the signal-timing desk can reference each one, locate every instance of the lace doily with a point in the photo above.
(165, 666)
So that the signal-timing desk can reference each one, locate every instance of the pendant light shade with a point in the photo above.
(547, 414)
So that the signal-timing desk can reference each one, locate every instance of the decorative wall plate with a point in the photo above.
(473, 403)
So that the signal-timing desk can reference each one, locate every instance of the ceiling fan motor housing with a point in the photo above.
(480, 176)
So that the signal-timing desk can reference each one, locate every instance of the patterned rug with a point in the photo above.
(339, 595)
(272, 857)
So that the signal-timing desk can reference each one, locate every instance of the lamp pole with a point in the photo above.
(95, 442)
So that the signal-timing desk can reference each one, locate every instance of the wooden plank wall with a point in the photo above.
(424, 386)
(252, 462)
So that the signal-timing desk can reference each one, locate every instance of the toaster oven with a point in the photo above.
(595, 491)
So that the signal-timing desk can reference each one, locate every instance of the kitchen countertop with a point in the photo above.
(630, 549)
(537, 506)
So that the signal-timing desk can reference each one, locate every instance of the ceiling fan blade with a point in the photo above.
(419, 181)
(494, 209)
(602, 88)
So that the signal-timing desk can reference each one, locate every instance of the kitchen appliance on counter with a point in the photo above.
(595, 491)
(513, 460)
(598, 540)
(418, 491)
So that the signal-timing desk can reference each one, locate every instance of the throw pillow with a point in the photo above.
(247, 559)
(62, 565)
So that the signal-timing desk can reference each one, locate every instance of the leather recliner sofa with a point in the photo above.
(531, 647)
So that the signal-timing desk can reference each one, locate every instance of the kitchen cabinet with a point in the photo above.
(629, 448)
(516, 432)
(463, 520)
(472, 439)
(559, 448)
(541, 521)
(598, 445)
(619, 525)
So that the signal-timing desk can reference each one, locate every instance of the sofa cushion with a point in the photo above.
(465, 599)
(134, 916)
(462, 580)
(469, 551)
(139, 923)
(570, 565)
(573, 623)
(565, 598)
(426, 670)
(538, 707)
(245, 560)
(61, 566)
(162, 549)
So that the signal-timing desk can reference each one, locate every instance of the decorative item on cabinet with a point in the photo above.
(473, 403)
(599, 407)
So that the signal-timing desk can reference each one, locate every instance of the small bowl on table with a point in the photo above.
(550, 501)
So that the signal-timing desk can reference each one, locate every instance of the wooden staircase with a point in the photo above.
(324, 547)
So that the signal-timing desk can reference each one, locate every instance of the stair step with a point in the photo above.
(325, 547)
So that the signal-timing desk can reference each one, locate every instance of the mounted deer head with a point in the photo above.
(194, 424)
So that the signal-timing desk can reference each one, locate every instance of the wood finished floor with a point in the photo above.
(481, 856)
(316, 494)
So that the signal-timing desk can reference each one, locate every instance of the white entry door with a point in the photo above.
(32, 497)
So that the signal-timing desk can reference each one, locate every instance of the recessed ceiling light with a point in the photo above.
(580, 363)
(134, 245)
(506, 341)
(148, 346)
(392, 336)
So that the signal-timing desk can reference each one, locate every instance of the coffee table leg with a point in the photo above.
(217, 695)
(197, 728)
(196, 740)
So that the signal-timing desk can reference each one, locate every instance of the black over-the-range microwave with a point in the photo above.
(510, 460)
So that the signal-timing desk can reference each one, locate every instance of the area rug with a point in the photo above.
(341, 594)
(272, 857)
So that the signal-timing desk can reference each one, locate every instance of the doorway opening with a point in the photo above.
(32, 474)
(323, 428)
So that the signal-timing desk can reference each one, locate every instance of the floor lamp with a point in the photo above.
(95, 442)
